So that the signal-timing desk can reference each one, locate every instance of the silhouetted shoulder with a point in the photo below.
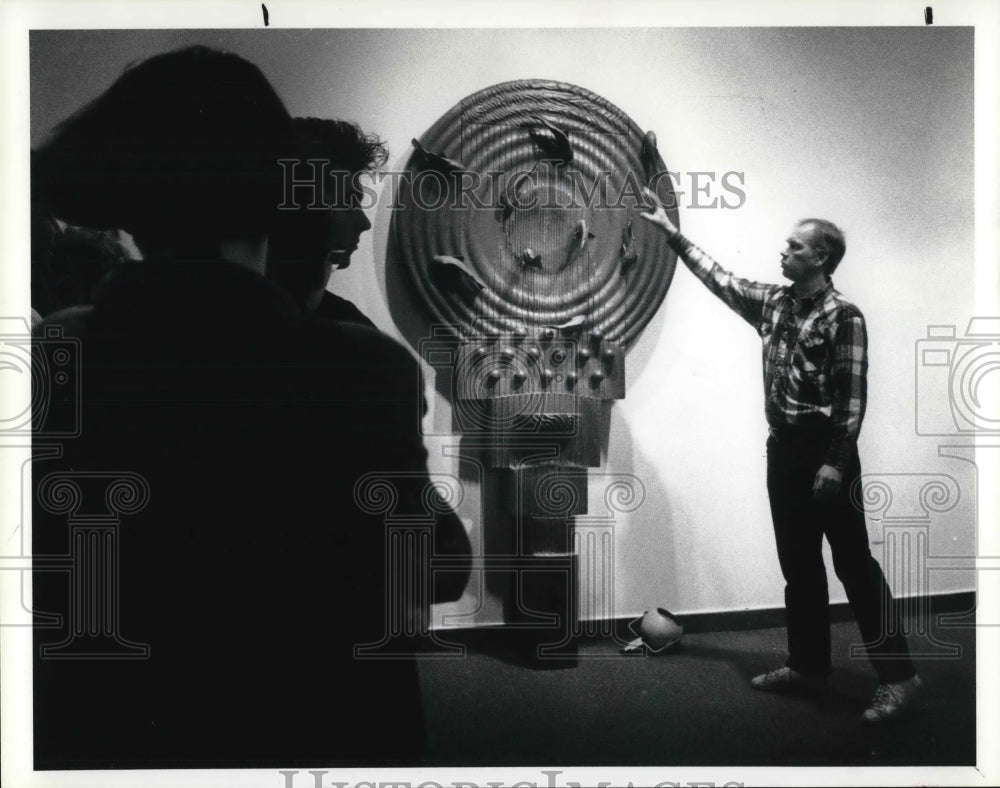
(374, 341)
(358, 343)
(363, 373)
(333, 307)
(73, 322)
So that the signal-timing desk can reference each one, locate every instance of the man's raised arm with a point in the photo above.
(743, 296)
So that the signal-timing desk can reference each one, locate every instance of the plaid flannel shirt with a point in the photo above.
(815, 352)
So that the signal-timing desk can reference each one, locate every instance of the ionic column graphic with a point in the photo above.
(905, 505)
(410, 562)
(618, 493)
(93, 560)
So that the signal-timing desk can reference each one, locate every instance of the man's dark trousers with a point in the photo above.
(800, 522)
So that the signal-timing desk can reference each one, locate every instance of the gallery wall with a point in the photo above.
(869, 127)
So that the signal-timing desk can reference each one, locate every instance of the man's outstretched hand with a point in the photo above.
(658, 215)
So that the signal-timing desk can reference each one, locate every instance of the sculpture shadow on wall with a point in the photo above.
(645, 542)
(523, 293)
(409, 316)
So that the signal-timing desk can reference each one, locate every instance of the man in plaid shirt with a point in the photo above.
(815, 366)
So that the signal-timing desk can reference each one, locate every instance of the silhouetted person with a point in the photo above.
(252, 571)
(309, 242)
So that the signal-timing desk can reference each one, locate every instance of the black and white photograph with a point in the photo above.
(527, 394)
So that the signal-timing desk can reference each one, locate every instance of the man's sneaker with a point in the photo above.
(788, 680)
(891, 699)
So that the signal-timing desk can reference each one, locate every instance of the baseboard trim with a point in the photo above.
(957, 608)
(957, 603)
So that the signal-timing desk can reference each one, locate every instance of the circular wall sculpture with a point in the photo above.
(518, 215)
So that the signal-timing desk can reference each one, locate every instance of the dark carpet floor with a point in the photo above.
(690, 706)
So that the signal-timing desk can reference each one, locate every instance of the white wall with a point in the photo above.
(869, 127)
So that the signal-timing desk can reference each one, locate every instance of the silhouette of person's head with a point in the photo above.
(309, 242)
(181, 151)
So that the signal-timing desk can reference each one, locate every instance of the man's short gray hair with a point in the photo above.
(829, 238)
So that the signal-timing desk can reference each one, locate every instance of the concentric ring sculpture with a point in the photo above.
(517, 224)
(535, 187)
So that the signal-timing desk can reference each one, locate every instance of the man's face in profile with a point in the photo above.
(348, 221)
(801, 260)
